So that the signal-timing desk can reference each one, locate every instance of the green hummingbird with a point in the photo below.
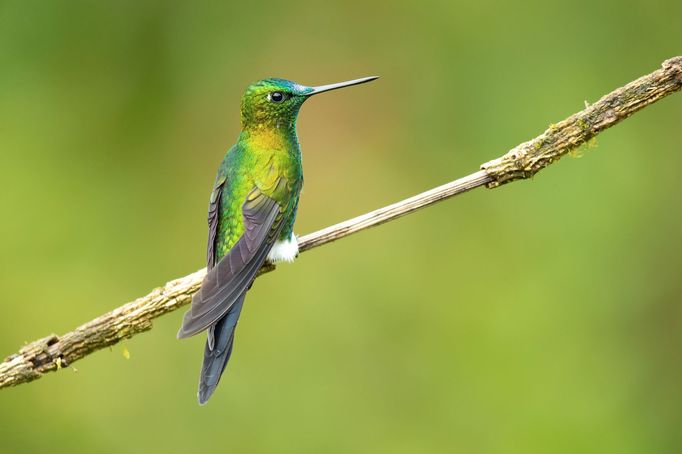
(251, 214)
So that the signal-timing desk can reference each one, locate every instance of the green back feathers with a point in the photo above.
(266, 152)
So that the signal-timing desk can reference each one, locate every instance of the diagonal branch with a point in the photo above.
(54, 352)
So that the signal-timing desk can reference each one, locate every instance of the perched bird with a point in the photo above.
(251, 215)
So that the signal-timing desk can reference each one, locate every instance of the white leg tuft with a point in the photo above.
(284, 251)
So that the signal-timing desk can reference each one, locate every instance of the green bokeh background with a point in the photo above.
(543, 316)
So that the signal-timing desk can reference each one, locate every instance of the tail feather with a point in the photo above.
(218, 350)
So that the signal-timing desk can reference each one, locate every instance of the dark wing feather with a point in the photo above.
(213, 217)
(218, 350)
(233, 274)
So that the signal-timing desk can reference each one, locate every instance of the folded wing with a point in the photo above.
(232, 276)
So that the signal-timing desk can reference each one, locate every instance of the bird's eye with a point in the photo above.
(277, 96)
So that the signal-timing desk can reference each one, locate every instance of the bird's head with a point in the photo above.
(276, 102)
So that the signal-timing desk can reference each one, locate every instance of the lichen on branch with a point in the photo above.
(527, 159)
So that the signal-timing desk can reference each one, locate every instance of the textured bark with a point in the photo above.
(530, 157)
(54, 352)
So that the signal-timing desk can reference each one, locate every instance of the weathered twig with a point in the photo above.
(53, 352)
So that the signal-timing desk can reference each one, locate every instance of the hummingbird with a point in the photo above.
(251, 214)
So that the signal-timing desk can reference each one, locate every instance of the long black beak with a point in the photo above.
(323, 88)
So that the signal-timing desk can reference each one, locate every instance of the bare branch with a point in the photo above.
(54, 352)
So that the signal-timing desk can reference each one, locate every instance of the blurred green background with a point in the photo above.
(543, 316)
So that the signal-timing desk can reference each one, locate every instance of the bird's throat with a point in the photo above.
(271, 137)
